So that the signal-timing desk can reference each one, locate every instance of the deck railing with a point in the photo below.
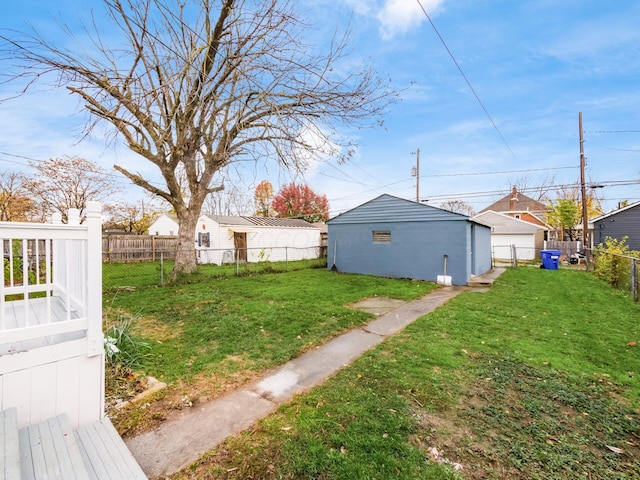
(52, 279)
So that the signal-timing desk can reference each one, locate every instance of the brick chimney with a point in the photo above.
(514, 199)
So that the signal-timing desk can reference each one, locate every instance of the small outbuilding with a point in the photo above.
(624, 222)
(509, 233)
(226, 239)
(393, 237)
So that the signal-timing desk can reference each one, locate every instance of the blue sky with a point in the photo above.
(533, 64)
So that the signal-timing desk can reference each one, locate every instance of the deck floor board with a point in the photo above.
(49, 450)
(10, 460)
(40, 310)
(105, 450)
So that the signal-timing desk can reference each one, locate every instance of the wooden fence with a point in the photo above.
(567, 248)
(138, 248)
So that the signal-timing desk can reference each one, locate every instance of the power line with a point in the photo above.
(466, 79)
(609, 183)
(526, 170)
(613, 131)
(502, 172)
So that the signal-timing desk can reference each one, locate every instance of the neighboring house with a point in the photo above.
(618, 224)
(165, 224)
(518, 205)
(225, 239)
(508, 232)
(393, 237)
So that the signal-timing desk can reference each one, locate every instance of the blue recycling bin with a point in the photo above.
(550, 259)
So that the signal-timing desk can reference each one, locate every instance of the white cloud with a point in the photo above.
(319, 148)
(400, 16)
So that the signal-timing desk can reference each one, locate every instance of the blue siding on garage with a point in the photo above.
(625, 222)
(421, 236)
(390, 209)
(480, 254)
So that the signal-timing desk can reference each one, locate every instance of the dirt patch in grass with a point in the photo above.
(376, 305)
(162, 406)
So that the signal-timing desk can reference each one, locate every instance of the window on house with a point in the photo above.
(517, 215)
(381, 236)
(203, 239)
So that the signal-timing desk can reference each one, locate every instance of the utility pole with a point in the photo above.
(583, 188)
(415, 172)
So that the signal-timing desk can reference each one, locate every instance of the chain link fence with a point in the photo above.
(571, 253)
(239, 262)
(621, 271)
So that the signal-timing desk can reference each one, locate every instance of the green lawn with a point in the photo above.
(535, 378)
(210, 333)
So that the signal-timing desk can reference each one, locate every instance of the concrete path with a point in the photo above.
(184, 439)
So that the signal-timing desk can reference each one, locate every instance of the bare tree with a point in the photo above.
(540, 192)
(230, 201)
(131, 217)
(69, 182)
(15, 204)
(194, 85)
(458, 206)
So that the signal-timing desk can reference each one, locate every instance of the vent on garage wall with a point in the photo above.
(381, 236)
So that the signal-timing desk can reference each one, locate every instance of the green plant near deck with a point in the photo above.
(123, 350)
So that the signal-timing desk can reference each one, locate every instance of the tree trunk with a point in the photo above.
(186, 249)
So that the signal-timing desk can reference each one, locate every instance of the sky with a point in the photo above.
(490, 94)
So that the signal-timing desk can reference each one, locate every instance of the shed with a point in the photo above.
(225, 239)
(393, 237)
(507, 231)
(624, 222)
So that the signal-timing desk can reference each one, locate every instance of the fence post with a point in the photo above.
(161, 268)
(634, 279)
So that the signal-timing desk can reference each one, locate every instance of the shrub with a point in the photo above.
(612, 262)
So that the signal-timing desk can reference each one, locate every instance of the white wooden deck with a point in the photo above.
(37, 312)
(51, 449)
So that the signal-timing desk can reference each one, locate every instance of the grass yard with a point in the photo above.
(537, 378)
(211, 333)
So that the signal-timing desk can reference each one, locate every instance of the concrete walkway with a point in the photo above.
(183, 440)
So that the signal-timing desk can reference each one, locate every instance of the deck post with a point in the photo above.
(94, 278)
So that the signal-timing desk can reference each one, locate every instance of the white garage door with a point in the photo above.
(525, 246)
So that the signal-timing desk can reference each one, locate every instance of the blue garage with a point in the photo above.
(393, 237)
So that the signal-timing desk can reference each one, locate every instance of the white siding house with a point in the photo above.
(226, 239)
(507, 231)
(165, 224)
